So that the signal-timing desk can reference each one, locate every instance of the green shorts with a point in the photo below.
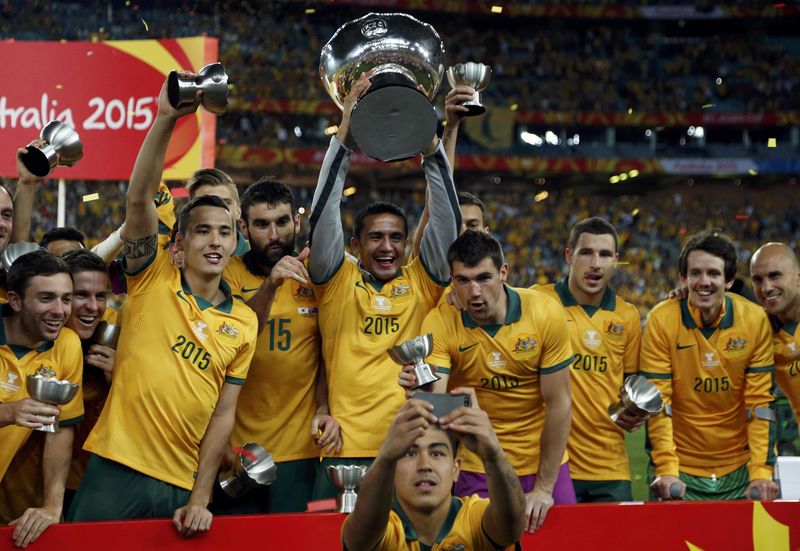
(701, 488)
(289, 493)
(323, 489)
(602, 491)
(112, 491)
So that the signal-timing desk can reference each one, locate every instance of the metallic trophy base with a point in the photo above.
(424, 376)
(474, 105)
(393, 122)
(346, 501)
(40, 161)
(50, 428)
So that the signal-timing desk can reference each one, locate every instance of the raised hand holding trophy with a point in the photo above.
(475, 75)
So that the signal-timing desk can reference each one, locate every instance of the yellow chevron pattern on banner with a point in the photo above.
(768, 533)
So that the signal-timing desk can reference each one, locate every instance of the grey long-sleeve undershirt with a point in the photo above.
(327, 235)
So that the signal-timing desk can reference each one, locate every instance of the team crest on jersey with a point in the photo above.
(11, 384)
(381, 304)
(228, 330)
(200, 329)
(591, 338)
(615, 330)
(709, 360)
(45, 370)
(524, 344)
(401, 290)
(793, 350)
(735, 343)
(304, 292)
(496, 361)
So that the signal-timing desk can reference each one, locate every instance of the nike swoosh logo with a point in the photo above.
(249, 290)
(683, 346)
(465, 348)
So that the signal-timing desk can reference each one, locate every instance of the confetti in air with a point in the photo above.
(146, 26)
(91, 197)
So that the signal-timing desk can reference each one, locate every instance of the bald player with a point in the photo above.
(605, 332)
(775, 273)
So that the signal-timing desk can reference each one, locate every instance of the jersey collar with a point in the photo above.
(373, 281)
(513, 313)
(689, 316)
(608, 302)
(242, 245)
(19, 351)
(225, 306)
(789, 327)
(447, 527)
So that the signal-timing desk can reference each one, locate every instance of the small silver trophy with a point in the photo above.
(63, 148)
(347, 478)
(476, 75)
(251, 469)
(16, 250)
(639, 397)
(106, 334)
(415, 351)
(212, 80)
(50, 391)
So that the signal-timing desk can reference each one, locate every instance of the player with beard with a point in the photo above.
(605, 332)
(711, 356)
(775, 273)
(33, 341)
(284, 405)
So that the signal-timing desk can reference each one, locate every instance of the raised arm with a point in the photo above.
(327, 236)
(140, 232)
(27, 184)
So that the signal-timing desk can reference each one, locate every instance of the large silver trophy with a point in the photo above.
(106, 334)
(415, 351)
(50, 391)
(63, 147)
(212, 80)
(347, 478)
(255, 467)
(16, 250)
(403, 58)
(638, 397)
(476, 75)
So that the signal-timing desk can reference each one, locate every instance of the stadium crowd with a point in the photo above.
(241, 322)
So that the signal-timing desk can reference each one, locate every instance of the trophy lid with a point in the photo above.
(380, 42)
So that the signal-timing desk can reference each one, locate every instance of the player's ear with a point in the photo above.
(15, 301)
(568, 255)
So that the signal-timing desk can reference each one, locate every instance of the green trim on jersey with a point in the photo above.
(608, 302)
(725, 323)
(513, 313)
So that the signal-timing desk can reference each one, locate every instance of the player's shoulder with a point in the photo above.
(68, 338)
(666, 308)
(625, 308)
(745, 308)
(533, 299)
(548, 289)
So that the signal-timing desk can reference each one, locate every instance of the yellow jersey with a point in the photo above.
(786, 344)
(360, 320)
(277, 404)
(462, 529)
(504, 364)
(606, 341)
(61, 359)
(711, 377)
(175, 352)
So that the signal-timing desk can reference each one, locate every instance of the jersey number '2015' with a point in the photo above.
(189, 350)
(379, 325)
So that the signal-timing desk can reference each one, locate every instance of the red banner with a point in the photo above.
(708, 526)
(106, 91)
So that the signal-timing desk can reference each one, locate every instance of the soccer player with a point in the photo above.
(33, 341)
(775, 273)
(368, 307)
(88, 308)
(513, 347)
(417, 464)
(60, 240)
(605, 332)
(710, 355)
(183, 354)
(284, 405)
(212, 181)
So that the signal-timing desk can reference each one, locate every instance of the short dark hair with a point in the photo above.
(379, 207)
(267, 190)
(68, 233)
(213, 177)
(467, 198)
(84, 260)
(714, 243)
(201, 201)
(472, 247)
(595, 226)
(33, 264)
